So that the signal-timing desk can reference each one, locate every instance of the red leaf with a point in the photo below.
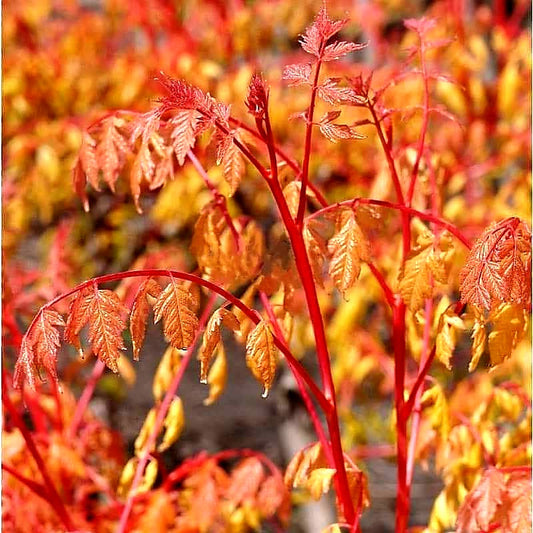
(339, 49)
(297, 74)
(478, 509)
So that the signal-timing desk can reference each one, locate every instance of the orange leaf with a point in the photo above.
(174, 305)
(139, 313)
(261, 355)
(348, 248)
(212, 337)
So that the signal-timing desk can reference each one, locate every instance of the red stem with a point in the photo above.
(85, 397)
(307, 147)
(35, 487)
(425, 120)
(54, 498)
(319, 430)
(161, 414)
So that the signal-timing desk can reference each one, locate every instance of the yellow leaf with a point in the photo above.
(348, 248)
(435, 402)
(509, 326)
(167, 368)
(479, 334)
(217, 377)
(449, 325)
(319, 482)
(126, 478)
(428, 263)
(302, 464)
(262, 355)
(212, 337)
(149, 476)
(173, 423)
(146, 429)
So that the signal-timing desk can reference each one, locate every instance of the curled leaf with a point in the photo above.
(262, 355)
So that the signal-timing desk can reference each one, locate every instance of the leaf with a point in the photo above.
(317, 250)
(479, 334)
(319, 32)
(165, 372)
(319, 482)
(106, 326)
(261, 355)
(302, 464)
(77, 317)
(183, 135)
(509, 326)
(348, 247)
(233, 164)
(339, 132)
(175, 306)
(88, 161)
(45, 339)
(358, 485)
(331, 93)
(426, 264)
(139, 313)
(173, 424)
(481, 503)
(110, 150)
(149, 477)
(515, 512)
(449, 326)
(217, 376)
(245, 481)
(212, 337)
(339, 49)
(144, 433)
(497, 268)
(143, 167)
(297, 74)
(435, 402)
(25, 368)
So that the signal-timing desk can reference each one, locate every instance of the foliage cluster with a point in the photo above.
(363, 204)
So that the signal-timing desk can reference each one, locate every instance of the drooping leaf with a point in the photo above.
(139, 313)
(165, 372)
(77, 317)
(448, 328)
(317, 250)
(509, 327)
(426, 265)
(217, 376)
(479, 336)
(212, 337)
(39, 349)
(175, 306)
(262, 355)
(173, 424)
(144, 433)
(436, 404)
(348, 248)
(184, 128)
(106, 325)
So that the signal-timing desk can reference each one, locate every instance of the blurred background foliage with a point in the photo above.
(68, 63)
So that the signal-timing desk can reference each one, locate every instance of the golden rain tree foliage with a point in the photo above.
(362, 200)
